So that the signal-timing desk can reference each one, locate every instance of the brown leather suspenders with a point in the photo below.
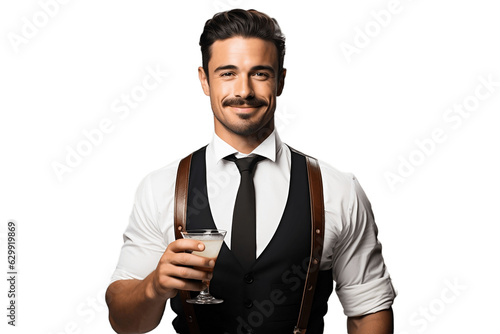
(317, 235)
(180, 211)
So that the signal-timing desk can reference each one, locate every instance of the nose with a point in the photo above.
(243, 87)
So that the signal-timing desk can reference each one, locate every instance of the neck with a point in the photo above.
(244, 144)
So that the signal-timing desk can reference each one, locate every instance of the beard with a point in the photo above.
(244, 125)
(255, 130)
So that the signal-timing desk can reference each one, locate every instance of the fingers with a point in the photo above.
(165, 287)
(186, 259)
(176, 254)
(178, 270)
(168, 283)
(184, 272)
(182, 245)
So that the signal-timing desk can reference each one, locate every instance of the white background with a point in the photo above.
(438, 224)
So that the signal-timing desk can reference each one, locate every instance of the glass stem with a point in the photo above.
(206, 292)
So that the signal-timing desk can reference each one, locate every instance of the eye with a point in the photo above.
(226, 74)
(261, 75)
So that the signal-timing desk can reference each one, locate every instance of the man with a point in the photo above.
(242, 73)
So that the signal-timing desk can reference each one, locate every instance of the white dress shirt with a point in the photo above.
(351, 249)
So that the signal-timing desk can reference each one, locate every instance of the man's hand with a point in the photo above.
(173, 272)
(376, 323)
(136, 306)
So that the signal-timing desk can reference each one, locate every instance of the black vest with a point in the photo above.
(265, 299)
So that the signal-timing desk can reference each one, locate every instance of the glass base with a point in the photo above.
(204, 299)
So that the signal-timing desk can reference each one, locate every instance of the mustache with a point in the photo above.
(239, 101)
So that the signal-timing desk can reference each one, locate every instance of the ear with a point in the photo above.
(203, 81)
(281, 82)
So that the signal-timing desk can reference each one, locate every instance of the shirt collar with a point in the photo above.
(268, 148)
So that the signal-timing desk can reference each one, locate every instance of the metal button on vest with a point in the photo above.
(248, 278)
(247, 303)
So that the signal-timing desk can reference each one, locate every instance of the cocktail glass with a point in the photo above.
(212, 238)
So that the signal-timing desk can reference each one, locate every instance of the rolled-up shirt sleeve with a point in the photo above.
(144, 243)
(363, 284)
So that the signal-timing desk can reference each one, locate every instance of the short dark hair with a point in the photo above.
(244, 23)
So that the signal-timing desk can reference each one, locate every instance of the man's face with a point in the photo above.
(244, 83)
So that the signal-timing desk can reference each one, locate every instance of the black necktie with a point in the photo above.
(243, 233)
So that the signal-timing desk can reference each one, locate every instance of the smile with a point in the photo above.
(243, 109)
